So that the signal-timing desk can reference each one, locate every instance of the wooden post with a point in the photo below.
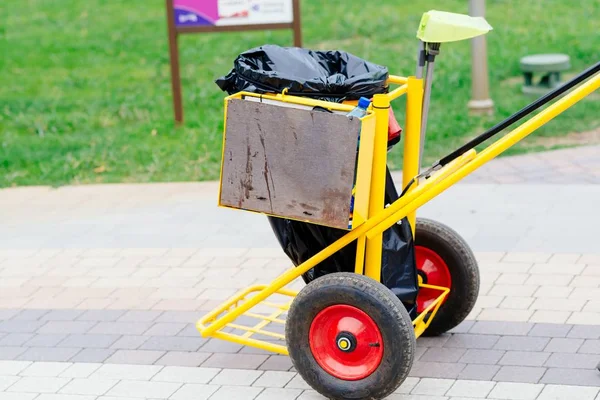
(296, 24)
(174, 57)
(174, 31)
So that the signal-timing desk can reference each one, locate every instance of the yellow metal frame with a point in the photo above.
(368, 234)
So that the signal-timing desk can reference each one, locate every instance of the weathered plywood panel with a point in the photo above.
(289, 162)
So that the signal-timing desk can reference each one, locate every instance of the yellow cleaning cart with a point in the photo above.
(289, 156)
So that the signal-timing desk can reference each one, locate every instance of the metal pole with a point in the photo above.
(480, 102)
(433, 49)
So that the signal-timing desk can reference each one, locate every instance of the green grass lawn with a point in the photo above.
(85, 92)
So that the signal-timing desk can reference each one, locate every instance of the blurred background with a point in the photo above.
(85, 93)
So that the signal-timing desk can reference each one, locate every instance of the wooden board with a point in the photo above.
(289, 162)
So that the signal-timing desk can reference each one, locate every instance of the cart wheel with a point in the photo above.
(350, 337)
(445, 259)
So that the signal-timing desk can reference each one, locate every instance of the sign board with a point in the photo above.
(196, 16)
(232, 12)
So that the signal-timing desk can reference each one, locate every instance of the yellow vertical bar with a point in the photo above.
(381, 105)
(412, 137)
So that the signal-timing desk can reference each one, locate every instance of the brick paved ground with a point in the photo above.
(100, 287)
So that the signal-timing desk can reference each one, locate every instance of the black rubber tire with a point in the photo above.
(376, 301)
(464, 272)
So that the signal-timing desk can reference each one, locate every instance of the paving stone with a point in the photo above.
(48, 354)
(523, 343)
(11, 353)
(524, 358)
(12, 367)
(515, 391)
(7, 314)
(236, 377)
(277, 363)
(553, 392)
(550, 330)
(433, 341)
(20, 326)
(482, 356)
(429, 386)
(298, 383)
(585, 332)
(463, 327)
(62, 327)
(513, 290)
(85, 386)
(101, 315)
(590, 347)
(501, 328)
(172, 343)
(424, 369)
(186, 375)
(15, 339)
(479, 372)
(30, 315)
(144, 357)
(419, 351)
(477, 389)
(48, 369)
(191, 331)
(501, 314)
(129, 342)
(61, 315)
(89, 341)
(236, 392)
(165, 329)
(408, 385)
(133, 372)
(93, 355)
(563, 345)
(121, 328)
(220, 346)
(470, 341)
(550, 294)
(156, 390)
(241, 361)
(192, 391)
(274, 379)
(569, 376)
(443, 355)
(551, 317)
(187, 317)
(19, 396)
(39, 385)
(46, 340)
(80, 370)
(279, 394)
(559, 304)
(183, 358)
(139, 316)
(6, 382)
(563, 360)
(519, 374)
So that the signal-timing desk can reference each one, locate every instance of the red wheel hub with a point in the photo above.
(346, 342)
(434, 271)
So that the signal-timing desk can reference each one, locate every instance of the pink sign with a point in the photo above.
(196, 12)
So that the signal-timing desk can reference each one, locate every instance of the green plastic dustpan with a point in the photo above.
(441, 27)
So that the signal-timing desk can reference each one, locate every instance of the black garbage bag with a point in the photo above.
(332, 76)
(325, 75)
(301, 240)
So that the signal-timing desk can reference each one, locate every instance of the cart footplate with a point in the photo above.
(263, 325)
